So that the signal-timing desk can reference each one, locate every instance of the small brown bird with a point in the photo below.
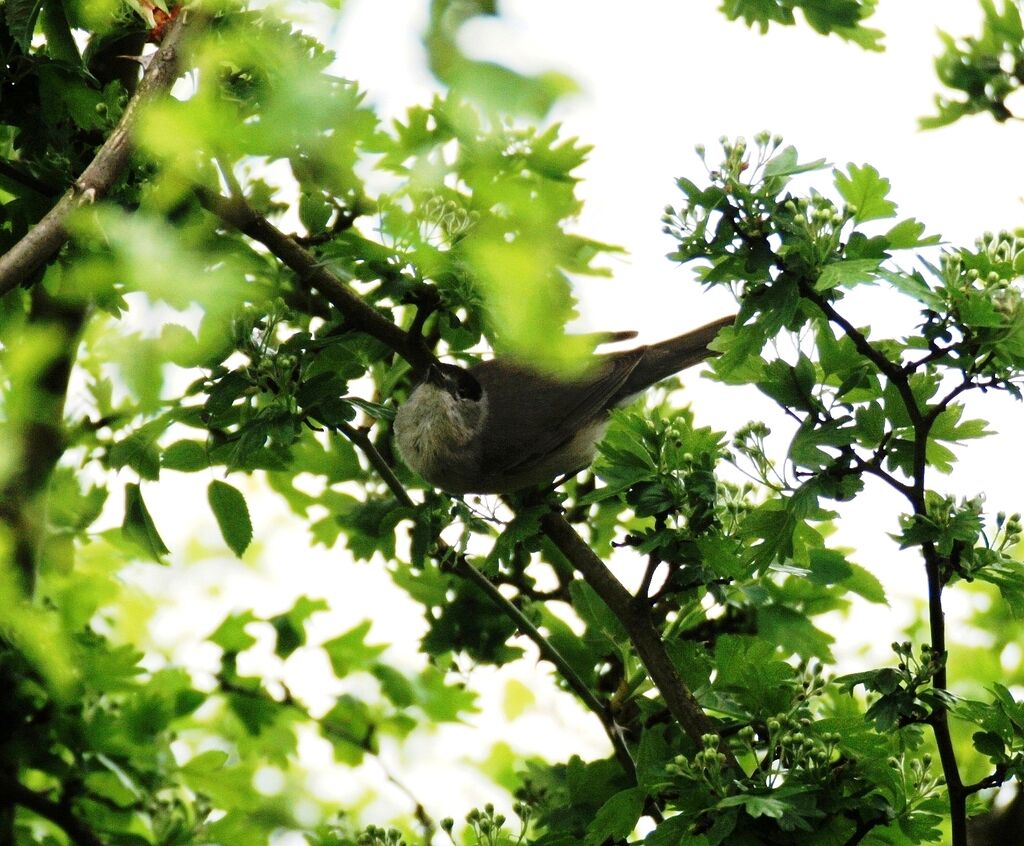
(501, 425)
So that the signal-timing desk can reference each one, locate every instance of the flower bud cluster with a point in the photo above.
(488, 825)
(374, 835)
(446, 217)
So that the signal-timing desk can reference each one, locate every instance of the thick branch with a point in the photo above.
(954, 785)
(467, 571)
(43, 241)
(312, 274)
(58, 813)
(645, 637)
(940, 719)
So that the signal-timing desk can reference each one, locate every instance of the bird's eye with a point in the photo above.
(467, 387)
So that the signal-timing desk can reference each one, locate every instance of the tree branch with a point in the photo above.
(44, 240)
(312, 274)
(467, 571)
(892, 371)
(13, 174)
(994, 780)
(645, 637)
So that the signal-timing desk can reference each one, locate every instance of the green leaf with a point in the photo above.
(497, 87)
(21, 20)
(138, 526)
(675, 832)
(185, 456)
(518, 698)
(756, 805)
(990, 744)
(115, 786)
(947, 426)
(847, 273)
(653, 755)
(139, 450)
(907, 234)
(442, 702)
(231, 634)
(232, 515)
(842, 17)
(291, 626)
(394, 685)
(827, 566)
(794, 632)
(790, 386)
(1009, 578)
(205, 762)
(785, 163)
(617, 817)
(314, 212)
(349, 652)
(866, 191)
(866, 584)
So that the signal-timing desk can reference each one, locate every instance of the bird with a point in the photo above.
(502, 425)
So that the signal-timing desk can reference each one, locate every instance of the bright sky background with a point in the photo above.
(660, 76)
(656, 78)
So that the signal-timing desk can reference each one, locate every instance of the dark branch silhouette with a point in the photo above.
(44, 240)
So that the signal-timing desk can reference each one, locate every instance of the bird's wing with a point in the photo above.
(525, 430)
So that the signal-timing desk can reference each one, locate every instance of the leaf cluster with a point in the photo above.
(201, 344)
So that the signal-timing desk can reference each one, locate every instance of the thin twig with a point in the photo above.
(332, 728)
(43, 241)
(994, 780)
(467, 571)
(13, 173)
(419, 810)
(889, 368)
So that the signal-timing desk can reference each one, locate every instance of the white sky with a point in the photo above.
(658, 77)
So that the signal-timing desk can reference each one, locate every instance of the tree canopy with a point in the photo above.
(222, 272)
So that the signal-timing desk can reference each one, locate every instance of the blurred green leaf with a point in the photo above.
(232, 513)
(138, 526)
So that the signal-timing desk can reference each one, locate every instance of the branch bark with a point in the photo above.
(645, 637)
(312, 274)
(44, 240)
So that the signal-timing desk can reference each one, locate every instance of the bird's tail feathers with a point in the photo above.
(670, 356)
